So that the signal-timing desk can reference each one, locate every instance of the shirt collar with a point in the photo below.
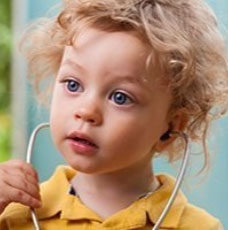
(156, 203)
(56, 199)
(54, 191)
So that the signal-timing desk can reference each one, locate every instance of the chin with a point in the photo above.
(90, 168)
(84, 167)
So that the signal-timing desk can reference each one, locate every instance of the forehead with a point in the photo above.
(128, 40)
(119, 53)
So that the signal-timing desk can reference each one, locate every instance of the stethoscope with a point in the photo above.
(173, 195)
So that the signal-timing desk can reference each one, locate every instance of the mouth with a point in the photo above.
(82, 138)
(83, 141)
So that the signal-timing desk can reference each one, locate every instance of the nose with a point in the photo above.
(89, 112)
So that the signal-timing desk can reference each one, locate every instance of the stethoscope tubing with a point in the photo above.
(173, 195)
(179, 179)
(29, 160)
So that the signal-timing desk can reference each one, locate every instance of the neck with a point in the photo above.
(129, 182)
(109, 193)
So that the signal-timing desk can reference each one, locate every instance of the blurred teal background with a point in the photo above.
(211, 195)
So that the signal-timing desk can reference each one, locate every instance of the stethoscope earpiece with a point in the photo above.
(166, 135)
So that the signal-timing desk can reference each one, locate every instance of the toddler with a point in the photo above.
(123, 75)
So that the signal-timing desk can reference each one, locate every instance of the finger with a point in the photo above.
(24, 176)
(16, 168)
(25, 168)
(21, 183)
(17, 195)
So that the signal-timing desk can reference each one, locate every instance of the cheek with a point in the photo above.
(54, 112)
(134, 135)
(54, 125)
(56, 117)
(130, 136)
(58, 106)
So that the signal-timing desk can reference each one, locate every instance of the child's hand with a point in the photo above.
(18, 183)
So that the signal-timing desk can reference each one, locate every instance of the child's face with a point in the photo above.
(100, 91)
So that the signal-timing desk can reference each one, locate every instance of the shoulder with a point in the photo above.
(194, 217)
(182, 214)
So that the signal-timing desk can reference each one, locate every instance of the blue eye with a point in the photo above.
(120, 98)
(72, 85)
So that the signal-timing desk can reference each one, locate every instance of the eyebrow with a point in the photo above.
(119, 78)
(73, 64)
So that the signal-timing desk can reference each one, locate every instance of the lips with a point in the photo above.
(82, 138)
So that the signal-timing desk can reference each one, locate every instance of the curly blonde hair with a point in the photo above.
(183, 35)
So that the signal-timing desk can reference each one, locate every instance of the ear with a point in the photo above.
(177, 123)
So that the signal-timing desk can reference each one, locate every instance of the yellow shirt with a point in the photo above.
(63, 211)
